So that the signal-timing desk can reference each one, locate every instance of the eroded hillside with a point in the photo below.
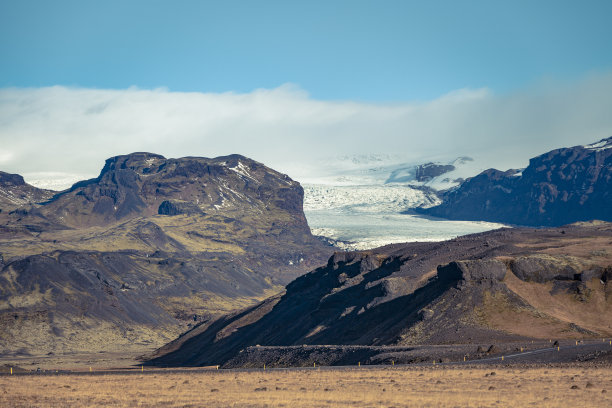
(503, 285)
(133, 257)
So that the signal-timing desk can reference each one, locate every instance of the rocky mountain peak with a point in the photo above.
(15, 192)
(140, 162)
(558, 187)
(145, 184)
(8, 179)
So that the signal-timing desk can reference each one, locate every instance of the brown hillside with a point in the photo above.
(504, 285)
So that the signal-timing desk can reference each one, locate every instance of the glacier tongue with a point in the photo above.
(357, 207)
(366, 198)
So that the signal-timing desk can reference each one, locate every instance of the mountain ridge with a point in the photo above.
(147, 248)
(558, 187)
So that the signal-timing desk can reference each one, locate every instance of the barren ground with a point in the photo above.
(399, 386)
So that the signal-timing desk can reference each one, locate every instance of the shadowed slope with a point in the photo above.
(460, 291)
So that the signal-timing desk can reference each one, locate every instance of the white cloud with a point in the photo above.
(73, 130)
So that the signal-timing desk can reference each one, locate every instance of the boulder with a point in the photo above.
(176, 207)
(473, 271)
(541, 269)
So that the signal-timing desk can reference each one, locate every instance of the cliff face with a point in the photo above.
(501, 285)
(149, 247)
(557, 188)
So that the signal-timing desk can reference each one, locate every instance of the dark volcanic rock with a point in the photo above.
(475, 271)
(560, 187)
(544, 269)
(174, 207)
(427, 171)
(7, 179)
(393, 296)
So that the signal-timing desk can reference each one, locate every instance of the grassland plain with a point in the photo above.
(399, 386)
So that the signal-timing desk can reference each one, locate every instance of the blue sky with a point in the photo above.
(373, 51)
(294, 84)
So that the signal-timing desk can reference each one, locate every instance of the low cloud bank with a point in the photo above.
(60, 133)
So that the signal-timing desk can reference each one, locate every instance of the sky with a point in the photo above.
(285, 82)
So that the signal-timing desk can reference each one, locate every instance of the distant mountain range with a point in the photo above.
(559, 187)
(130, 259)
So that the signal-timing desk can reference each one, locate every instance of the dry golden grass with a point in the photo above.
(356, 387)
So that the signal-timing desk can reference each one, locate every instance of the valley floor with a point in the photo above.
(376, 386)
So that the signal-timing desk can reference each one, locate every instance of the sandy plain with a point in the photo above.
(378, 386)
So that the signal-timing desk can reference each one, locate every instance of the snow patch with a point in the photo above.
(242, 170)
(603, 144)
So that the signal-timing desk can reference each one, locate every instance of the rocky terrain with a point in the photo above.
(15, 192)
(559, 187)
(505, 285)
(132, 258)
(429, 171)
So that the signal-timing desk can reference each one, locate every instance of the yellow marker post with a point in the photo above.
(502, 358)
(463, 358)
(11, 370)
(314, 365)
(557, 348)
(264, 367)
(142, 369)
(359, 364)
(90, 369)
(392, 362)
(521, 349)
(217, 367)
(576, 342)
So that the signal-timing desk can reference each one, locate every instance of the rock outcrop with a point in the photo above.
(427, 171)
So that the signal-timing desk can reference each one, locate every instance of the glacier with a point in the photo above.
(363, 202)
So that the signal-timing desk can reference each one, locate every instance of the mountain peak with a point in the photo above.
(558, 187)
(8, 179)
(137, 184)
(138, 161)
(15, 192)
